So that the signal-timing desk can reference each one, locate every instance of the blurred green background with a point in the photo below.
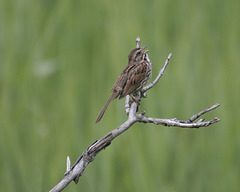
(58, 61)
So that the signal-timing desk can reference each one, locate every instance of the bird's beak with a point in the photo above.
(143, 48)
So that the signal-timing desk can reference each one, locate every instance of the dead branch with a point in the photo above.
(74, 172)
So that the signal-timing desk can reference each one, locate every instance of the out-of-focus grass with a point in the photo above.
(58, 61)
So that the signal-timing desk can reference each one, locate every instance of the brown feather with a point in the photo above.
(113, 96)
(135, 78)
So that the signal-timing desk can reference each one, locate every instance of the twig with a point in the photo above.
(138, 42)
(196, 116)
(73, 173)
(160, 74)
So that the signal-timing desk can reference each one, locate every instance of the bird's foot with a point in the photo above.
(136, 100)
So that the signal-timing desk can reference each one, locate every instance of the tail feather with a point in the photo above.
(113, 96)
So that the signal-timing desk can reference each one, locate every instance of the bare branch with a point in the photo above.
(127, 105)
(89, 155)
(73, 173)
(196, 116)
(177, 123)
(160, 74)
(138, 42)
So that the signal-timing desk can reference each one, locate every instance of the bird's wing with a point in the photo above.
(136, 74)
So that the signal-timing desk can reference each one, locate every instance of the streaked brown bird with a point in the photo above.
(132, 79)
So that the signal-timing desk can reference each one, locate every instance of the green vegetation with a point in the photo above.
(58, 61)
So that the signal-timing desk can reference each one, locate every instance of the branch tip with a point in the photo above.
(138, 42)
(68, 167)
(196, 116)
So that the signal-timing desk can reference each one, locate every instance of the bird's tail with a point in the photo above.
(113, 96)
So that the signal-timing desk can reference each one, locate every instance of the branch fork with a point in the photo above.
(74, 172)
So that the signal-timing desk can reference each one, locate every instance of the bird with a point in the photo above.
(132, 79)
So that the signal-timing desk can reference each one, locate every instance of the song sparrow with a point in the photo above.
(133, 77)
